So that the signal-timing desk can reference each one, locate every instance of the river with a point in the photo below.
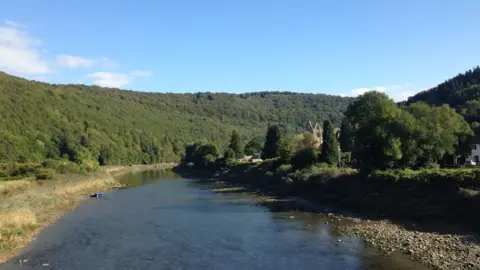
(167, 222)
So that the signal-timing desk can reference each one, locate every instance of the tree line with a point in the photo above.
(376, 133)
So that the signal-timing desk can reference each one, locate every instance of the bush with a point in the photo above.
(285, 168)
(346, 159)
(303, 159)
(229, 155)
(44, 174)
(67, 167)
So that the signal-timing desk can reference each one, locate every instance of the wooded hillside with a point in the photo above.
(90, 124)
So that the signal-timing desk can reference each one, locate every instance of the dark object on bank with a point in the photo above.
(96, 195)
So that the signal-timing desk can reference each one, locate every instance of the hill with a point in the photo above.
(461, 92)
(91, 124)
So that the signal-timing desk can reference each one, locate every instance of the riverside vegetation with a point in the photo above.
(389, 169)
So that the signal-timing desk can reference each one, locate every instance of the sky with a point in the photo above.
(342, 47)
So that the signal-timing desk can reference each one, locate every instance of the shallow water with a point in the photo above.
(168, 222)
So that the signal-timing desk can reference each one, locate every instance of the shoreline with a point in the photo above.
(439, 251)
(28, 206)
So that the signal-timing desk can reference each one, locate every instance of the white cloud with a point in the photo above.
(397, 92)
(141, 73)
(71, 61)
(106, 62)
(360, 91)
(110, 79)
(14, 24)
(18, 52)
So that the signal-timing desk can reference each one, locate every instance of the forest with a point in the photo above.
(461, 92)
(92, 126)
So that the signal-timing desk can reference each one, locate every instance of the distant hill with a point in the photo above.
(89, 124)
(461, 92)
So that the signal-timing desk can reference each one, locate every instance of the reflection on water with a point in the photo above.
(136, 179)
(180, 224)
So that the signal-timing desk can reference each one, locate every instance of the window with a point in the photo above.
(474, 147)
(476, 159)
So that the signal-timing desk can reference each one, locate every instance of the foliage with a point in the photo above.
(346, 159)
(306, 140)
(389, 136)
(205, 154)
(455, 92)
(347, 133)
(229, 156)
(44, 174)
(436, 133)
(286, 148)
(330, 153)
(254, 146)
(90, 124)
(303, 158)
(272, 140)
(235, 145)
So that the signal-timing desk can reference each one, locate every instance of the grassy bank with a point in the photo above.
(28, 205)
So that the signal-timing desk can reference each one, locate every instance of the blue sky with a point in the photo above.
(317, 46)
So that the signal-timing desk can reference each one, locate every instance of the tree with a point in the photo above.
(254, 146)
(306, 140)
(374, 116)
(303, 158)
(347, 134)
(206, 154)
(388, 136)
(270, 149)
(286, 148)
(235, 145)
(329, 152)
(439, 131)
(229, 155)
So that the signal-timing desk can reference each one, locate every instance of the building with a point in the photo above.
(475, 151)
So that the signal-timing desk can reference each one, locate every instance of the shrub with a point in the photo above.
(346, 159)
(44, 174)
(285, 168)
(51, 164)
(229, 155)
(303, 159)
(67, 167)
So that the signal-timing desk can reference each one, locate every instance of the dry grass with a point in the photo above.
(26, 206)
(22, 218)
(15, 186)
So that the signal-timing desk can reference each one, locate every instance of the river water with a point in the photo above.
(168, 222)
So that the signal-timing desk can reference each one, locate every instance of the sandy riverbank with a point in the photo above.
(440, 251)
(28, 205)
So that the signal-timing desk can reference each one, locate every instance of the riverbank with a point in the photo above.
(29, 205)
(439, 244)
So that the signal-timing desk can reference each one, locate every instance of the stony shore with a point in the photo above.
(439, 251)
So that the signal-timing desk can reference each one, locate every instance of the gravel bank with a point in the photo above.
(441, 251)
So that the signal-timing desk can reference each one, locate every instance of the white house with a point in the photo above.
(474, 154)
(475, 151)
